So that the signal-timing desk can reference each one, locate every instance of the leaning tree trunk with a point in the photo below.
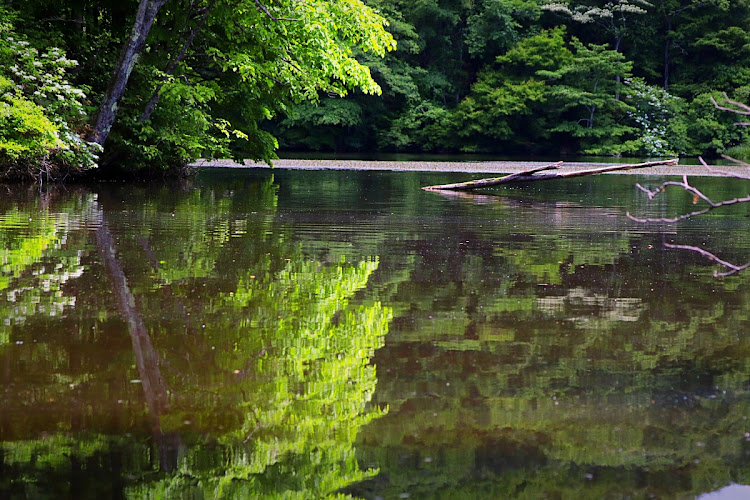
(131, 50)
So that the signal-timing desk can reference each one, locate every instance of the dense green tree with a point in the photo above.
(589, 87)
(708, 47)
(195, 78)
(658, 118)
(494, 26)
(442, 48)
(673, 13)
(508, 101)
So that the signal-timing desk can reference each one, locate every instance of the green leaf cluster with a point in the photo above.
(41, 113)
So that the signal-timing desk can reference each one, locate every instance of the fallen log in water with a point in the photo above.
(534, 175)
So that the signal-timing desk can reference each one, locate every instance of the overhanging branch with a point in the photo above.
(739, 108)
(153, 101)
(265, 10)
(697, 195)
(733, 268)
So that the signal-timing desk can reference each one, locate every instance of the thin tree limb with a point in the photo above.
(63, 20)
(154, 100)
(732, 174)
(725, 172)
(533, 175)
(692, 5)
(697, 193)
(705, 253)
(667, 220)
(265, 10)
(739, 108)
(671, 220)
(684, 185)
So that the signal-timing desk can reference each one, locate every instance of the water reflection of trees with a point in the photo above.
(37, 260)
(511, 398)
(263, 366)
(519, 363)
(523, 364)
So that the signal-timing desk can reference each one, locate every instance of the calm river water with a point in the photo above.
(269, 334)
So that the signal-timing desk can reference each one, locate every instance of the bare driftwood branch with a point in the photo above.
(534, 175)
(738, 107)
(697, 195)
(705, 253)
(492, 181)
(731, 174)
(732, 107)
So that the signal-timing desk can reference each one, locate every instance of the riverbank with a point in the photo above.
(480, 167)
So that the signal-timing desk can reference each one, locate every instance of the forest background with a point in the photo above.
(243, 79)
(534, 77)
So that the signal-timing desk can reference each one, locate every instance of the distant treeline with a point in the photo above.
(533, 77)
(147, 86)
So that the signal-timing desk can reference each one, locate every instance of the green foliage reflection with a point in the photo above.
(265, 365)
(35, 262)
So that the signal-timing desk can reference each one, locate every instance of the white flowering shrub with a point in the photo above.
(41, 114)
(593, 14)
(653, 110)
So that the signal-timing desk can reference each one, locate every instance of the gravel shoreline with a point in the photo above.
(480, 167)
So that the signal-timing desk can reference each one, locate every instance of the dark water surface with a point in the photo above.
(279, 334)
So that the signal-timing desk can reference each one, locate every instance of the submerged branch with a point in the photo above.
(492, 181)
(705, 253)
(533, 175)
(668, 220)
(739, 108)
(732, 107)
(684, 185)
(697, 195)
(729, 174)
